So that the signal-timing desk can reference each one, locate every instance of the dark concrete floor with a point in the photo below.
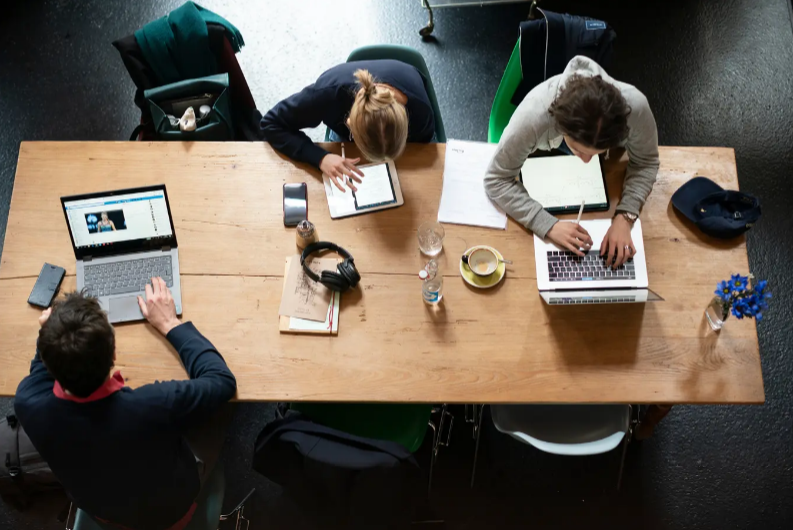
(715, 73)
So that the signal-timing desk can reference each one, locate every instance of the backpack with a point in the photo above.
(23, 473)
(548, 43)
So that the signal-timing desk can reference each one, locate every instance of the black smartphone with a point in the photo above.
(47, 285)
(295, 203)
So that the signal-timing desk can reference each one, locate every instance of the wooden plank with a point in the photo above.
(227, 207)
(498, 346)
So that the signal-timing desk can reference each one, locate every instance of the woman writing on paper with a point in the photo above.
(379, 104)
(583, 112)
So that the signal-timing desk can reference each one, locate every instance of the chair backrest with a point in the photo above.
(409, 56)
(503, 108)
(206, 516)
(564, 429)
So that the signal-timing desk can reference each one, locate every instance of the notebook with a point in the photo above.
(560, 183)
(300, 325)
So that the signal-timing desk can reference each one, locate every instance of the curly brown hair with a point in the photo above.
(592, 112)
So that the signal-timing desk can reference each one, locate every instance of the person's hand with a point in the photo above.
(618, 246)
(571, 236)
(44, 316)
(338, 169)
(159, 308)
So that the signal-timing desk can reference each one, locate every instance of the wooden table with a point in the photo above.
(498, 346)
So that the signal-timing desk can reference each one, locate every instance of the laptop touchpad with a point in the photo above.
(124, 308)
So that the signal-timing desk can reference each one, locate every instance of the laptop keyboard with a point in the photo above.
(564, 266)
(105, 279)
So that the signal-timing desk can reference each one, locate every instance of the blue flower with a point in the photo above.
(738, 282)
(724, 291)
(760, 287)
(740, 308)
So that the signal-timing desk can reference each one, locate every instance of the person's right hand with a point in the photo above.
(571, 236)
(159, 308)
(336, 167)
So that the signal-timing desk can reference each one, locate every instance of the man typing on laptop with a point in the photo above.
(124, 456)
(584, 112)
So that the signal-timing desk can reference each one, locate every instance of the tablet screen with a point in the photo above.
(562, 182)
(375, 188)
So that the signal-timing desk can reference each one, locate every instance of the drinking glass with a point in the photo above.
(431, 236)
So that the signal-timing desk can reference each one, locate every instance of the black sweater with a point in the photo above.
(122, 457)
(329, 101)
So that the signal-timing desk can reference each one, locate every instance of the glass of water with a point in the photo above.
(431, 236)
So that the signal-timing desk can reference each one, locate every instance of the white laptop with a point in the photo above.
(566, 279)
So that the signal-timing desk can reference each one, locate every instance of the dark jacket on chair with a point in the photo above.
(359, 481)
(120, 453)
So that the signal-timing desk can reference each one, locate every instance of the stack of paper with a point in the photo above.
(463, 199)
(308, 306)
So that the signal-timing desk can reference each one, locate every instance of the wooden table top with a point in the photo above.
(503, 345)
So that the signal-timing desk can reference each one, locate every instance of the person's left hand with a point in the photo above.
(618, 246)
(44, 316)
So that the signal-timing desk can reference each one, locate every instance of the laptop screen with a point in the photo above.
(118, 221)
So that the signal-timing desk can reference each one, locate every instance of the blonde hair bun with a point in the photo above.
(378, 122)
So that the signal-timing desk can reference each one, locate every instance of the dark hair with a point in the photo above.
(592, 112)
(77, 344)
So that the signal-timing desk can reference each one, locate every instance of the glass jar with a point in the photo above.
(716, 313)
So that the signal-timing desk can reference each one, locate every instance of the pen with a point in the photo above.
(346, 178)
(580, 211)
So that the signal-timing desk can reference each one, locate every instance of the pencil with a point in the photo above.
(580, 211)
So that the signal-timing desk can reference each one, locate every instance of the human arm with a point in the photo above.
(282, 124)
(113, 226)
(211, 382)
(640, 175)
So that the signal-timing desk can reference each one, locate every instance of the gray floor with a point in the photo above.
(715, 73)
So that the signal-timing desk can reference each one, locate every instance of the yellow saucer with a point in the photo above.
(483, 282)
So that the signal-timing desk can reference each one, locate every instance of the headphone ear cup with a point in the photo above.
(349, 272)
(334, 281)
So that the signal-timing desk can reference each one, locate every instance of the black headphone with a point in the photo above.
(347, 276)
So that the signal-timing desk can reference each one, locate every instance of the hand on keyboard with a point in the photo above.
(571, 236)
(159, 308)
(617, 245)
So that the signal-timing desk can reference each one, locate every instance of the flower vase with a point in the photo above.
(717, 312)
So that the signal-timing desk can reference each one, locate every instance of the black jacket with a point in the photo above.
(122, 457)
(329, 101)
(358, 481)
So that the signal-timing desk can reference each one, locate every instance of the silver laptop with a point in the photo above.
(121, 240)
(566, 279)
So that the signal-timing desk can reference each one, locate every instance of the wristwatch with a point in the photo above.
(630, 217)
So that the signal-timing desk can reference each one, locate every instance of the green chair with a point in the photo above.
(409, 56)
(503, 109)
(206, 517)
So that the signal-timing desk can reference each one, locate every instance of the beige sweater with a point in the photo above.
(532, 128)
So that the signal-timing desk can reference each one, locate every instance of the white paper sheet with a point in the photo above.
(559, 181)
(464, 200)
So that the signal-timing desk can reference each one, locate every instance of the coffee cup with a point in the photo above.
(483, 262)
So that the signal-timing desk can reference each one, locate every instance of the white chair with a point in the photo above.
(574, 430)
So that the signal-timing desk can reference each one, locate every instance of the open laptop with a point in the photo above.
(566, 279)
(122, 239)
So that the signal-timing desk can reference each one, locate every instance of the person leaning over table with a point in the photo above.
(584, 112)
(378, 104)
(134, 458)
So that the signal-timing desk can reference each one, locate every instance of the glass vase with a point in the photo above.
(717, 312)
